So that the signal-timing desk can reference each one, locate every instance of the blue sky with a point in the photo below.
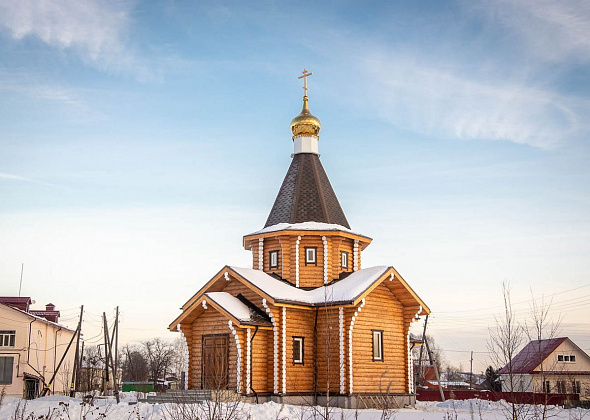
(140, 140)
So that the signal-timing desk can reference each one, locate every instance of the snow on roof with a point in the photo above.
(346, 290)
(231, 304)
(236, 308)
(304, 226)
(449, 383)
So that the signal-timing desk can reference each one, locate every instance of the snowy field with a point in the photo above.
(57, 408)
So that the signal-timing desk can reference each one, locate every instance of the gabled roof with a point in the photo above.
(345, 291)
(532, 355)
(238, 309)
(348, 291)
(306, 195)
(37, 318)
(17, 302)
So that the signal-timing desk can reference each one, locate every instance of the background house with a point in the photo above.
(31, 345)
(554, 365)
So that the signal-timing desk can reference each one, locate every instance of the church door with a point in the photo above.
(215, 361)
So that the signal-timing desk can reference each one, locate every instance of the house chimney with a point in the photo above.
(50, 307)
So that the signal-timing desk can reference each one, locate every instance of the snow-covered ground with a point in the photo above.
(57, 407)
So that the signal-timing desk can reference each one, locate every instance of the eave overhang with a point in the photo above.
(252, 238)
(393, 280)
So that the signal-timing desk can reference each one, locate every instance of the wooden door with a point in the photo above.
(215, 361)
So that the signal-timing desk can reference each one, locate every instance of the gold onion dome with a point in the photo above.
(305, 124)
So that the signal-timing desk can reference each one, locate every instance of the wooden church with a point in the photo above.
(306, 320)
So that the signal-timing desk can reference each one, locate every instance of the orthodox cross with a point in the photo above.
(304, 77)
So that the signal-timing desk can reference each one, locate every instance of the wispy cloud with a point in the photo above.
(433, 99)
(68, 103)
(24, 179)
(95, 29)
(24, 84)
(552, 30)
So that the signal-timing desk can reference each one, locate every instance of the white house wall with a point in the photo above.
(47, 346)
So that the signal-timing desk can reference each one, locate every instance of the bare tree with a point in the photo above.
(91, 370)
(542, 327)
(64, 375)
(437, 355)
(159, 355)
(177, 365)
(134, 364)
(216, 402)
(503, 344)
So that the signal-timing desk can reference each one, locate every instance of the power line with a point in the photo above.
(517, 303)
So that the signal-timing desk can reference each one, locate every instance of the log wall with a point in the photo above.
(261, 347)
(384, 312)
(300, 377)
(311, 275)
(328, 350)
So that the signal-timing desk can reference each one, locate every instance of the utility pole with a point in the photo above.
(80, 363)
(422, 348)
(442, 394)
(109, 353)
(77, 332)
(106, 354)
(77, 358)
(115, 367)
(22, 268)
(471, 371)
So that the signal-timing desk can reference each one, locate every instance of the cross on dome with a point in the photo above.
(305, 125)
(304, 77)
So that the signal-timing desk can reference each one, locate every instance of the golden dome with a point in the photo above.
(305, 124)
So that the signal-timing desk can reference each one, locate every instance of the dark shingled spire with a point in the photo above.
(306, 195)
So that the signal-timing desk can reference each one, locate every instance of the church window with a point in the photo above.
(377, 345)
(7, 338)
(298, 350)
(344, 260)
(274, 259)
(310, 255)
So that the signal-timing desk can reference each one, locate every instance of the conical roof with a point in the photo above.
(306, 195)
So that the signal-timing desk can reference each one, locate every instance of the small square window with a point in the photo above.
(566, 358)
(377, 345)
(344, 260)
(298, 350)
(572, 358)
(310, 255)
(7, 338)
(560, 357)
(274, 259)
